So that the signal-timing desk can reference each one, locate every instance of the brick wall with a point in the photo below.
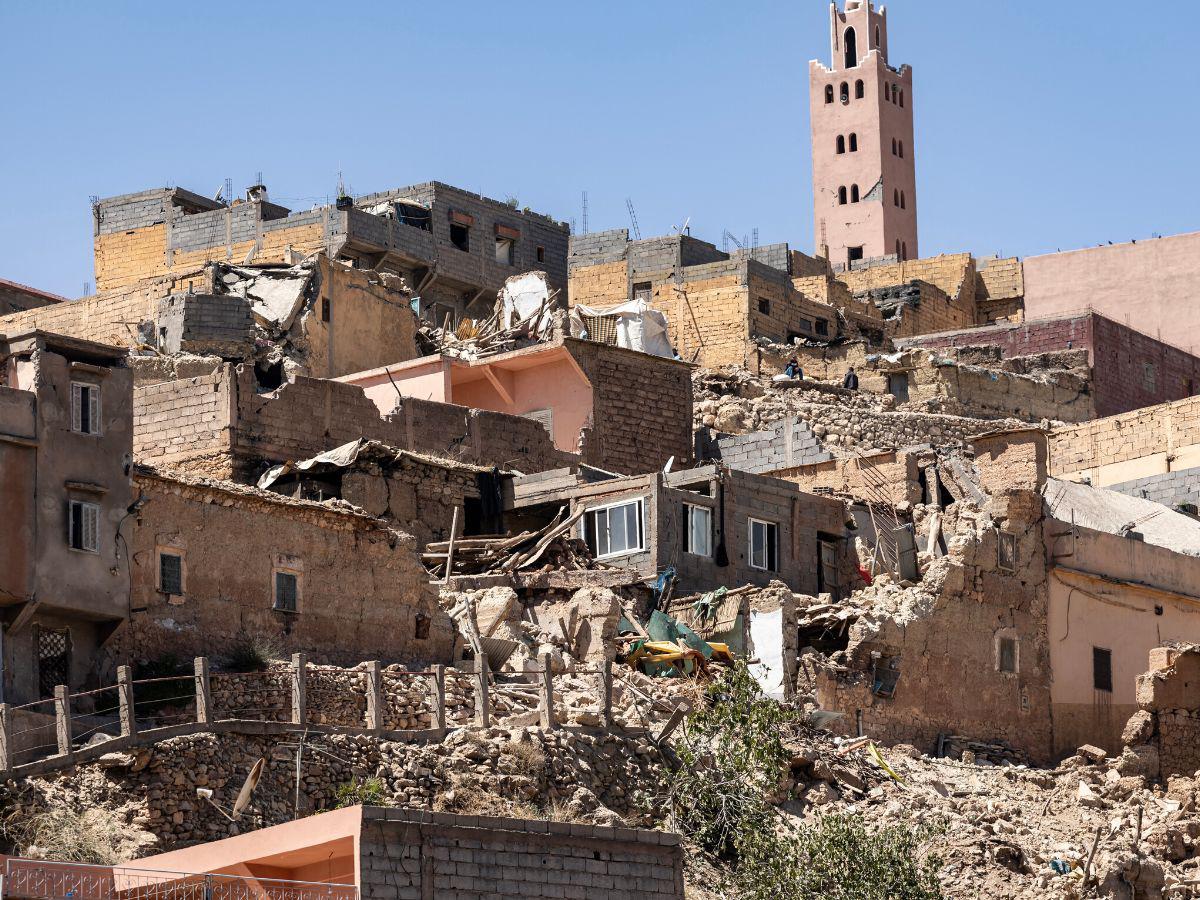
(999, 279)
(1158, 430)
(411, 855)
(860, 477)
(361, 584)
(641, 409)
(1168, 488)
(185, 423)
(604, 284)
(789, 443)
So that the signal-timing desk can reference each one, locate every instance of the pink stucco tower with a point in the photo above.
(864, 176)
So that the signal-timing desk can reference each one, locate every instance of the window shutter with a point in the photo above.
(77, 407)
(93, 410)
(91, 526)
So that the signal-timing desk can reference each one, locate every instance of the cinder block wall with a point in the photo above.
(411, 855)
(1140, 434)
(789, 443)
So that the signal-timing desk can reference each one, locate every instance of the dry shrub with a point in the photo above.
(94, 835)
(526, 755)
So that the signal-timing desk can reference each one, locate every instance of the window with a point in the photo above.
(1102, 669)
(845, 92)
(903, 203)
(764, 306)
(614, 530)
(806, 325)
(854, 254)
(829, 93)
(697, 530)
(85, 408)
(643, 290)
(895, 92)
(460, 236)
(1149, 377)
(897, 249)
(421, 627)
(1007, 660)
(877, 44)
(84, 531)
(853, 143)
(287, 592)
(894, 153)
(506, 251)
(325, 309)
(823, 327)
(896, 201)
(54, 659)
(764, 542)
(170, 573)
(887, 90)
(541, 254)
(851, 49)
(854, 193)
(904, 250)
(860, 90)
(901, 99)
(901, 149)
(841, 144)
(842, 196)
(1006, 551)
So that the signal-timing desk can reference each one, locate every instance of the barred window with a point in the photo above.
(170, 573)
(287, 591)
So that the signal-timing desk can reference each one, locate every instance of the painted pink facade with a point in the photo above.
(864, 174)
(1153, 286)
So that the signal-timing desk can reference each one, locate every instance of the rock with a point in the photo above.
(1139, 729)
(1092, 753)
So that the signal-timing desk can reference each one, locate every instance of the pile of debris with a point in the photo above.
(524, 313)
(550, 549)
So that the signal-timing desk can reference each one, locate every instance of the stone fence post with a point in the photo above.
(204, 711)
(7, 751)
(375, 702)
(606, 687)
(439, 697)
(125, 702)
(299, 704)
(62, 719)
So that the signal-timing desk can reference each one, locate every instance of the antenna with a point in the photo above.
(727, 238)
(87, 289)
(243, 797)
(585, 216)
(94, 199)
(228, 191)
(637, 232)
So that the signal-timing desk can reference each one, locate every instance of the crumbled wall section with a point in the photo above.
(361, 585)
(1168, 721)
(860, 477)
(411, 855)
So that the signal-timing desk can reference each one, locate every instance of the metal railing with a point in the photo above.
(30, 879)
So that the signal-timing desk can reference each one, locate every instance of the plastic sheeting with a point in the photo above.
(766, 634)
(639, 327)
(523, 297)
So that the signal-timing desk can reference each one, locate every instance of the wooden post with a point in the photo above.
(125, 700)
(606, 686)
(299, 706)
(7, 752)
(450, 547)
(204, 710)
(375, 708)
(439, 697)
(483, 713)
(546, 707)
(62, 719)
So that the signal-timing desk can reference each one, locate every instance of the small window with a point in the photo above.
(896, 201)
(897, 249)
(1006, 551)
(764, 545)
(854, 193)
(1102, 669)
(877, 44)
(894, 153)
(845, 92)
(643, 290)
(853, 143)
(1149, 377)
(421, 627)
(1006, 655)
(841, 144)
(764, 306)
(904, 250)
(85, 408)
(84, 527)
(895, 92)
(854, 254)
(614, 530)
(325, 309)
(460, 237)
(903, 202)
(842, 196)
(851, 49)
(541, 254)
(902, 99)
(806, 326)
(54, 659)
(823, 327)
(697, 530)
(287, 592)
(860, 90)
(829, 93)
(506, 251)
(901, 145)
(170, 573)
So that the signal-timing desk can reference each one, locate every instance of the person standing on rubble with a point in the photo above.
(850, 382)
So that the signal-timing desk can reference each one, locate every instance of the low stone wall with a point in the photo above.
(1164, 734)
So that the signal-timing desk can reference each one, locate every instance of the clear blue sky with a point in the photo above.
(1039, 126)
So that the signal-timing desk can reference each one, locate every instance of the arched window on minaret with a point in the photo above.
(895, 92)
(903, 205)
(897, 249)
(841, 144)
(853, 143)
(842, 196)
(896, 197)
(845, 92)
(878, 45)
(904, 250)
(902, 149)
(854, 193)
(894, 147)
(860, 90)
(851, 49)
(901, 99)
(829, 93)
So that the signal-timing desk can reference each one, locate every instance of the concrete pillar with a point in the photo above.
(299, 705)
(203, 695)
(375, 707)
(125, 701)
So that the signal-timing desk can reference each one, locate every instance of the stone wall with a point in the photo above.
(407, 855)
(362, 592)
(1165, 731)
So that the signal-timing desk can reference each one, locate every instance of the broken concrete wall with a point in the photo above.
(1165, 731)
(361, 591)
(787, 444)
(891, 474)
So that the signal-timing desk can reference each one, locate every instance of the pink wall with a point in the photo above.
(427, 379)
(1152, 286)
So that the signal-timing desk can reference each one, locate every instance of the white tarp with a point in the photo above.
(639, 327)
(523, 297)
(766, 637)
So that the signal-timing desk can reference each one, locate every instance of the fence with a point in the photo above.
(277, 701)
(26, 879)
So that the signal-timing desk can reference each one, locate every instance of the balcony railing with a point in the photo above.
(30, 879)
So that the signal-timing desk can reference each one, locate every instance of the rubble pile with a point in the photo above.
(548, 549)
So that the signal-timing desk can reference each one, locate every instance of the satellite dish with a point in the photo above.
(243, 797)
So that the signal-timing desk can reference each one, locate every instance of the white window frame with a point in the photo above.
(88, 511)
(589, 517)
(766, 563)
(94, 408)
(689, 510)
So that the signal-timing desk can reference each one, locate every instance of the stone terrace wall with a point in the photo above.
(403, 851)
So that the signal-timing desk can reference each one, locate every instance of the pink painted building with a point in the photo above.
(864, 175)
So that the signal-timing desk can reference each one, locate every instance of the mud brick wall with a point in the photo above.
(410, 855)
(948, 272)
(641, 409)
(361, 585)
(1168, 719)
(860, 476)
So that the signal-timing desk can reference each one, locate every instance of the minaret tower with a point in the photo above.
(864, 175)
